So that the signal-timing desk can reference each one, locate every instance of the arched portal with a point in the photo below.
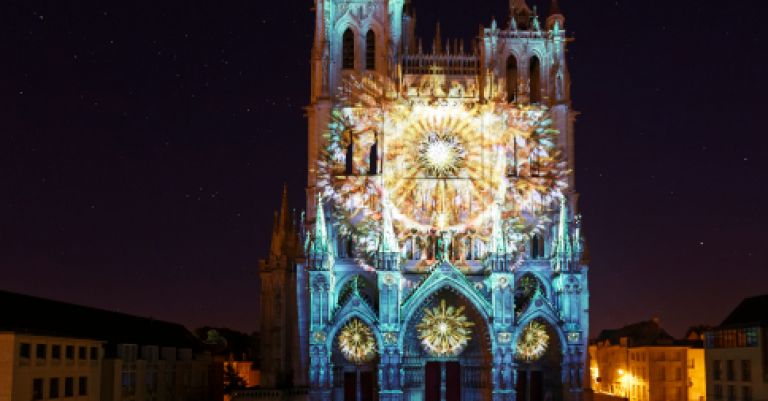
(355, 360)
(539, 357)
(446, 350)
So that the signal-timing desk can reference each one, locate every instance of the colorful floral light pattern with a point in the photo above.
(533, 342)
(441, 154)
(442, 164)
(444, 330)
(356, 342)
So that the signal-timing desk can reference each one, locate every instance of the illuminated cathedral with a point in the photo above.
(440, 257)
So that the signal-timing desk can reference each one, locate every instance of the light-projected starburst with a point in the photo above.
(356, 342)
(444, 330)
(533, 342)
(441, 155)
(441, 165)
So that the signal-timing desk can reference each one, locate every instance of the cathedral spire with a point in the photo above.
(556, 20)
(437, 43)
(281, 227)
(320, 235)
(562, 244)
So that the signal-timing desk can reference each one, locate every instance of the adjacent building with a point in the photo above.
(737, 354)
(642, 362)
(53, 350)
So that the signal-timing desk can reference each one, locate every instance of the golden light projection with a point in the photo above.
(441, 155)
(533, 342)
(441, 165)
(444, 330)
(356, 342)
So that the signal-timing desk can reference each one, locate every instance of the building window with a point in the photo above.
(746, 370)
(69, 387)
(348, 50)
(82, 386)
(40, 351)
(37, 389)
(732, 338)
(53, 388)
(535, 78)
(56, 351)
(94, 353)
(718, 391)
(70, 352)
(746, 393)
(82, 353)
(730, 371)
(717, 370)
(511, 78)
(370, 51)
(25, 350)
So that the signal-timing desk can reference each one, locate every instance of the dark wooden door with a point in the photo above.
(522, 385)
(350, 386)
(537, 386)
(367, 386)
(452, 381)
(432, 381)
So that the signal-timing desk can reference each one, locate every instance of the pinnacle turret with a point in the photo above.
(320, 234)
(556, 20)
(281, 228)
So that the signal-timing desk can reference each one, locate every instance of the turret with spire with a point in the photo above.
(555, 20)
(320, 252)
(519, 14)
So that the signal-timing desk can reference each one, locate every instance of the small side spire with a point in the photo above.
(281, 226)
(437, 43)
(555, 20)
(320, 234)
(562, 248)
(535, 25)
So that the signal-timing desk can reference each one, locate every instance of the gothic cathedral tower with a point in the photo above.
(442, 257)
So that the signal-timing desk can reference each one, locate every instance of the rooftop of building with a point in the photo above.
(643, 334)
(752, 311)
(27, 314)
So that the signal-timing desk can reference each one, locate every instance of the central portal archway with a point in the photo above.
(539, 363)
(446, 351)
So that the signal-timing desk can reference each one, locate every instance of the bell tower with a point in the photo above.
(351, 37)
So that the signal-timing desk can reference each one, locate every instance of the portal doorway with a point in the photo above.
(442, 381)
(530, 385)
(359, 386)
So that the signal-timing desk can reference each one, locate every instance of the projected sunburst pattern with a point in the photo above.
(356, 342)
(444, 330)
(441, 166)
(533, 342)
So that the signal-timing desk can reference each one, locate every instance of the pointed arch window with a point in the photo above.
(511, 78)
(348, 50)
(370, 51)
(535, 77)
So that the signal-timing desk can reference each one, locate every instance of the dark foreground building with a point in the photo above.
(737, 354)
(51, 350)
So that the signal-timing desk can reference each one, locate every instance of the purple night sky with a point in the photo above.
(144, 145)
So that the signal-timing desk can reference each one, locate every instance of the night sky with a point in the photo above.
(143, 147)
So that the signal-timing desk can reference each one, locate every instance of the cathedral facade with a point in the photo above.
(441, 257)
